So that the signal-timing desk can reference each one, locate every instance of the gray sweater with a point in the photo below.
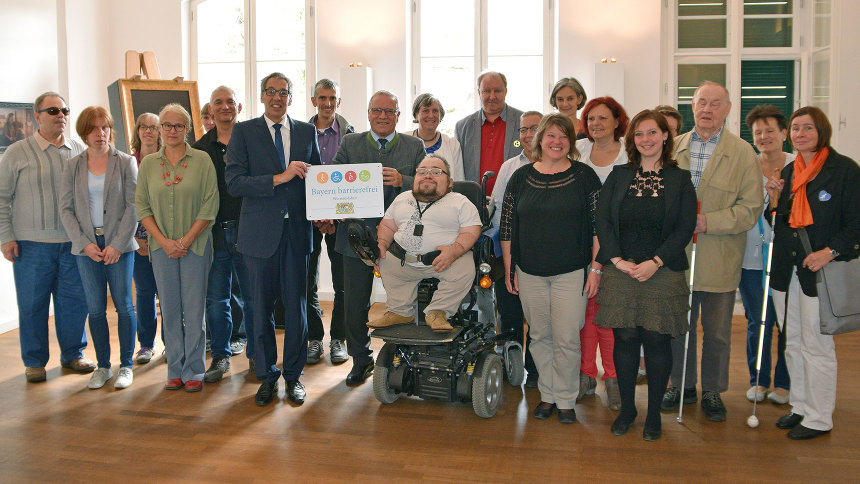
(30, 187)
(404, 153)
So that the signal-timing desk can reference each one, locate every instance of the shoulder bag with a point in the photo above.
(838, 299)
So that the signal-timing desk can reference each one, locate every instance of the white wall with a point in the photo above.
(628, 30)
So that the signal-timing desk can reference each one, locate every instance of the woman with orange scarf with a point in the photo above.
(819, 194)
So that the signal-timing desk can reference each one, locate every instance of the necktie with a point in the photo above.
(382, 143)
(279, 145)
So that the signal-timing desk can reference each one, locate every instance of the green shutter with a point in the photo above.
(766, 82)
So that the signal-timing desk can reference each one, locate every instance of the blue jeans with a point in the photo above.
(219, 319)
(145, 290)
(96, 278)
(750, 288)
(43, 270)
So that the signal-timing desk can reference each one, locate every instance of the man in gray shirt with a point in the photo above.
(34, 240)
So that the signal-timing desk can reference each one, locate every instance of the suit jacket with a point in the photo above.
(251, 163)
(404, 153)
(120, 214)
(732, 196)
(679, 219)
(834, 200)
(468, 133)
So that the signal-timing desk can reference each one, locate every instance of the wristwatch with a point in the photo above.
(834, 253)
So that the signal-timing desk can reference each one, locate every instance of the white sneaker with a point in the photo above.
(752, 395)
(99, 378)
(124, 377)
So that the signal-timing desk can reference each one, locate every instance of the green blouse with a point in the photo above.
(175, 207)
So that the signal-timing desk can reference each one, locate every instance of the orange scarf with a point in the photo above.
(801, 214)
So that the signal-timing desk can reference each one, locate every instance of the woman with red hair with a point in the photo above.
(605, 123)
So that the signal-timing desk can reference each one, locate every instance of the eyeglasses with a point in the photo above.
(173, 127)
(55, 111)
(149, 128)
(529, 129)
(280, 92)
(430, 171)
(379, 111)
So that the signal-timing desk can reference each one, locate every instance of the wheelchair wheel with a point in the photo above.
(383, 392)
(514, 366)
(487, 385)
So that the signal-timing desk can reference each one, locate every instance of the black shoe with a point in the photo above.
(622, 424)
(651, 434)
(315, 351)
(789, 421)
(337, 352)
(266, 393)
(359, 373)
(532, 380)
(544, 410)
(805, 433)
(567, 415)
(296, 392)
(654, 428)
(672, 398)
(219, 366)
(713, 406)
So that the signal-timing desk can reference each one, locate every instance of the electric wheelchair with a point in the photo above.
(466, 364)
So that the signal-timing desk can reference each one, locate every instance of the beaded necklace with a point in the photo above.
(165, 173)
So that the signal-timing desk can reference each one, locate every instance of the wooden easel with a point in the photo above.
(145, 63)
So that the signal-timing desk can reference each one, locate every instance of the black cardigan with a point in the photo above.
(679, 220)
(834, 199)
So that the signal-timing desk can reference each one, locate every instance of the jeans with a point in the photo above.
(219, 319)
(44, 270)
(145, 289)
(96, 277)
(751, 294)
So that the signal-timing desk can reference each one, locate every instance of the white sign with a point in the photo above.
(344, 191)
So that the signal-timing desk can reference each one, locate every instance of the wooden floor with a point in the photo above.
(59, 431)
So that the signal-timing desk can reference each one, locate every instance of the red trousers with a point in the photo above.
(590, 337)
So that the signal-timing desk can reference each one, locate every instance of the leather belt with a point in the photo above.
(397, 251)
(99, 231)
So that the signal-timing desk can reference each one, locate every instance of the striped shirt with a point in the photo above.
(700, 153)
(31, 172)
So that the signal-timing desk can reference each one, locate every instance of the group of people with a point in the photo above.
(595, 218)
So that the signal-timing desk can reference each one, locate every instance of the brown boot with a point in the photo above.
(437, 321)
(389, 319)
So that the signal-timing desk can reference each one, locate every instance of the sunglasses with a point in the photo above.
(55, 111)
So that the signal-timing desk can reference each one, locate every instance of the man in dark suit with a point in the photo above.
(267, 159)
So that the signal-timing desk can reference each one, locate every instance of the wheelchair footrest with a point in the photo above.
(414, 334)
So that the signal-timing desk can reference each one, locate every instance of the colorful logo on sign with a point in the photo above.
(349, 176)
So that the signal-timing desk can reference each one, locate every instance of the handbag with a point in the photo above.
(838, 301)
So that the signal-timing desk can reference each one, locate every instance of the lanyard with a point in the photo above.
(419, 229)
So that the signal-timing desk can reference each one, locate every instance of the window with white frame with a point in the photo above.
(239, 42)
(454, 40)
(759, 49)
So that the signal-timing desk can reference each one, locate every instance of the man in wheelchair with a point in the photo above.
(424, 234)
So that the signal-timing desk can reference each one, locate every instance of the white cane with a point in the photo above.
(680, 418)
(752, 421)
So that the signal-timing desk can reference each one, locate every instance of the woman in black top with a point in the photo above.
(547, 237)
(819, 195)
(645, 218)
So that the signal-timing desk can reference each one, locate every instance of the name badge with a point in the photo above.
(823, 196)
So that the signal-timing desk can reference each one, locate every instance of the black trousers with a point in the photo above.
(357, 288)
(337, 328)
(511, 318)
